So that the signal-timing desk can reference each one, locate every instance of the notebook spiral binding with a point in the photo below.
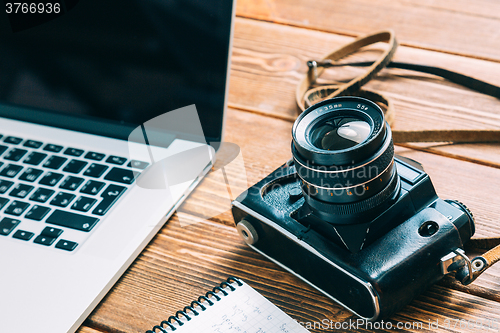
(208, 298)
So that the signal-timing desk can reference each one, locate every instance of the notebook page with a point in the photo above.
(243, 310)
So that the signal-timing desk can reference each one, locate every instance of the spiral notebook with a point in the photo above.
(232, 307)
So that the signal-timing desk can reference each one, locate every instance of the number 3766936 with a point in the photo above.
(32, 8)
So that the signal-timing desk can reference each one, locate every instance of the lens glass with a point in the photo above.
(339, 133)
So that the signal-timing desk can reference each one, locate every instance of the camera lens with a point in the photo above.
(344, 156)
(339, 133)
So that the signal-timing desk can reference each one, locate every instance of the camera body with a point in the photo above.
(371, 255)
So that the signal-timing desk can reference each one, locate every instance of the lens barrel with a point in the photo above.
(344, 156)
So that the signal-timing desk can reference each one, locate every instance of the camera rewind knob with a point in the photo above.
(462, 207)
(294, 194)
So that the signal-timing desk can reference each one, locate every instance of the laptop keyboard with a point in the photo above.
(64, 188)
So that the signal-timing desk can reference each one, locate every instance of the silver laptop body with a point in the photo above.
(94, 107)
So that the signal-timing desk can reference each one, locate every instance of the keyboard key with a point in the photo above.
(16, 208)
(73, 152)
(94, 156)
(52, 148)
(54, 162)
(116, 160)
(42, 194)
(7, 225)
(83, 204)
(121, 175)
(75, 166)
(35, 158)
(5, 185)
(23, 235)
(11, 170)
(51, 232)
(71, 183)
(3, 202)
(95, 170)
(66, 245)
(51, 179)
(33, 144)
(37, 213)
(72, 220)
(43, 240)
(30, 175)
(109, 196)
(15, 154)
(3, 149)
(91, 187)
(12, 140)
(138, 164)
(21, 191)
(62, 199)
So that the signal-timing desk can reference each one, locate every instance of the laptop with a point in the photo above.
(96, 103)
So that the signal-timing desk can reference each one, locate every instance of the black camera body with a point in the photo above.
(370, 251)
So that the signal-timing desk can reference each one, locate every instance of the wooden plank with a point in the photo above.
(438, 310)
(176, 268)
(85, 329)
(486, 8)
(459, 27)
(183, 262)
(269, 60)
(485, 154)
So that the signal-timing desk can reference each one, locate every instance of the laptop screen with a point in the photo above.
(105, 67)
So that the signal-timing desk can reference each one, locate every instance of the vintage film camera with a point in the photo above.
(360, 225)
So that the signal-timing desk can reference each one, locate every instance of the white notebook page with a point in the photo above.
(243, 310)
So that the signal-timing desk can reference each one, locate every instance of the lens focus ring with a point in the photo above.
(356, 207)
(345, 175)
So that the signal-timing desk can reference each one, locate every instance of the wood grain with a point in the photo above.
(466, 28)
(184, 261)
(269, 60)
(85, 329)
(199, 246)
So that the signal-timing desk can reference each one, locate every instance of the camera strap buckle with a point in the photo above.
(480, 263)
(466, 270)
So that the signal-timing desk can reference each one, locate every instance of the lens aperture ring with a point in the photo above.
(345, 175)
(349, 194)
(360, 206)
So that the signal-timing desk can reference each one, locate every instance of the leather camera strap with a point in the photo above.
(308, 93)
(479, 264)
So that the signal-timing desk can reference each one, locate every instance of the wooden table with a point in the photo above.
(273, 40)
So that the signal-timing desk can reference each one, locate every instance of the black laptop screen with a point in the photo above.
(123, 61)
